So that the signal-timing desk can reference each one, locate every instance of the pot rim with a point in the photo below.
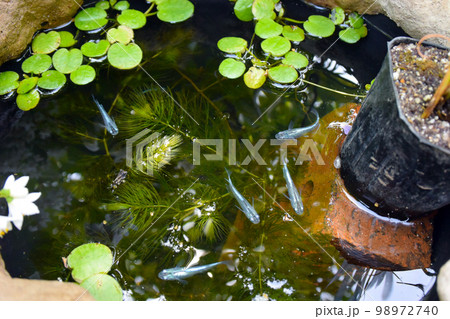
(391, 44)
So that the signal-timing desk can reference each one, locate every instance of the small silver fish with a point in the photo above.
(109, 122)
(297, 132)
(294, 195)
(248, 209)
(181, 273)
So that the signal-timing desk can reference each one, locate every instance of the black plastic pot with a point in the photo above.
(385, 162)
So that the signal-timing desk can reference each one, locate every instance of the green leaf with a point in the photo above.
(103, 288)
(46, 43)
(232, 45)
(231, 68)
(67, 39)
(27, 85)
(83, 75)
(263, 9)
(243, 10)
(283, 74)
(66, 61)
(103, 5)
(337, 15)
(8, 82)
(349, 35)
(175, 10)
(122, 34)
(112, 2)
(356, 20)
(122, 5)
(293, 33)
(266, 28)
(52, 80)
(89, 259)
(319, 26)
(296, 60)
(132, 18)
(37, 64)
(254, 78)
(362, 31)
(276, 46)
(91, 19)
(28, 101)
(95, 49)
(124, 56)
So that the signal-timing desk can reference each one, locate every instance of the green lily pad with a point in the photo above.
(337, 15)
(46, 43)
(122, 5)
(175, 10)
(83, 75)
(91, 19)
(276, 46)
(132, 18)
(254, 78)
(8, 82)
(89, 259)
(266, 28)
(52, 80)
(95, 49)
(112, 2)
(66, 61)
(26, 85)
(356, 20)
(232, 45)
(349, 35)
(319, 26)
(283, 74)
(295, 59)
(102, 5)
(37, 64)
(103, 288)
(293, 33)
(263, 9)
(243, 10)
(362, 31)
(124, 56)
(122, 34)
(28, 101)
(67, 39)
(231, 68)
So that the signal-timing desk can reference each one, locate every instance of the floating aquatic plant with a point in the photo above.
(90, 264)
(57, 48)
(280, 40)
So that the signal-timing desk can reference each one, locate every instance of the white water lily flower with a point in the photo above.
(5, 225)
(20, 202)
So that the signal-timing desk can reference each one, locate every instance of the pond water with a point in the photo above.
(183, 214)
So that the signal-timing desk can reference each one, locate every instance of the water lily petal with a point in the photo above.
(18, 223)
(22, 182)
(9, 182)
(31, 197)
(21, 206)
(5, 225)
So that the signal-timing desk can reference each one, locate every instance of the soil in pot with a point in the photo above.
(416, 80)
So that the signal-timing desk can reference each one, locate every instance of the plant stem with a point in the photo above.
(331, 90)
(149, 9)
(293, 20)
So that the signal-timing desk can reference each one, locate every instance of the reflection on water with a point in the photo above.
(90, 195)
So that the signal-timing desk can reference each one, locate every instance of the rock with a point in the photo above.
(38, 290)
(415, 17)
(20, 19)
(443, 282)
